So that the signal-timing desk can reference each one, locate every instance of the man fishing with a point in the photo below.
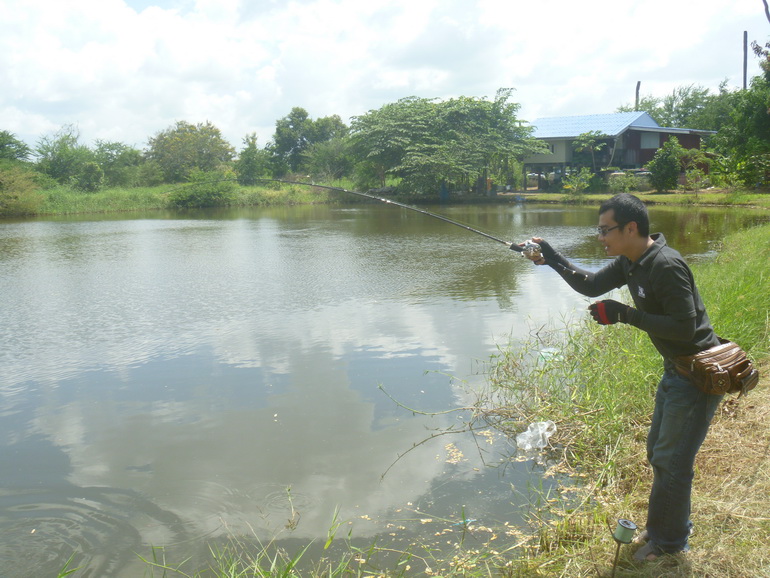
(668, 307)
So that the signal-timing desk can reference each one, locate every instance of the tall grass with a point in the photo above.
(63, 200)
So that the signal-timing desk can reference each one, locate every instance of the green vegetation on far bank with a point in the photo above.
(215, 190)
(709, 197)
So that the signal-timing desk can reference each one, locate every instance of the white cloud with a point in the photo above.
(126, 69)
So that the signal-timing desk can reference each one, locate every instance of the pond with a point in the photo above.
(169, 380)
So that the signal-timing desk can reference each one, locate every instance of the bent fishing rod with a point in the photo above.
(514, 246)
(528, 249)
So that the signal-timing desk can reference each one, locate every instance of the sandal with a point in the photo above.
(646, 553)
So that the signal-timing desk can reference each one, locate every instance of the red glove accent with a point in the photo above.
(601, 316)
(608, 312)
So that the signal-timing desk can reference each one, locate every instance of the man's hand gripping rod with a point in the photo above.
(534, 252)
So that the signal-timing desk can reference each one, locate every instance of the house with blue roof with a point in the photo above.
(632, 139)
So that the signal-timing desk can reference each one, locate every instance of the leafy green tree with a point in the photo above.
(424, 143)
(744, 141)
(61, 156)
(185, 147)
(647, 103)
(381, 137)
(682, 107)
(689, 106)
(89, 178)
(591, 142)
(11, 148)
(329, 159)
(119, 162)
(296, 132)
(666, 166)
(253, 163)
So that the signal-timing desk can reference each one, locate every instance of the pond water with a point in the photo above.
(168, 380)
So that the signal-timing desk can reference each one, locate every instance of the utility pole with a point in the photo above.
(638, 84)
(745, 56)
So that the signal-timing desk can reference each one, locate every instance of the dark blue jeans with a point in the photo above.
(680, 421)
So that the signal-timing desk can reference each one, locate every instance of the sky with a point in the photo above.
(125, 70)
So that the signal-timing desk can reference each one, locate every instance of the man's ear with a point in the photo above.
(632, 227)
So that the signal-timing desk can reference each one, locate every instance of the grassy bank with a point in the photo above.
(714, 197)
(63, 200)
(67, 201)
(599, 390)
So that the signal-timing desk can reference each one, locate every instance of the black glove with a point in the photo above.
(609, 312)
(551, 256)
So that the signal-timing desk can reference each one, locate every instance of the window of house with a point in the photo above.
(650, 140)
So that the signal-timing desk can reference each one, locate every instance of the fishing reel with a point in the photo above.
(531, 251)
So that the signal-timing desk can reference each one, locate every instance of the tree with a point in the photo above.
(12, 148)
(185, 147)
(296, 132)
(252, 163)
(744, 140)
(686, 107)
(89, 178)
(119, 162)
(380, 138)
(61, 156)
(426, 143)
(329, 160)
(591, 142)
(666, 166)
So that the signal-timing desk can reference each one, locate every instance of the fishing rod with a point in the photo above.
(528, 249)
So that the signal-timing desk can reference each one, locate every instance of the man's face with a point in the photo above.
(611, 235)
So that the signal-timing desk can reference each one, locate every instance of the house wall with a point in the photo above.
(688, 141)
(635, 149)
(561, 152)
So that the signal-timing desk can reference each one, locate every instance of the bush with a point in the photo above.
(624, 182)
(89, 178)
(206, 189)
(666, 165)
(578, 183)
(19, 191)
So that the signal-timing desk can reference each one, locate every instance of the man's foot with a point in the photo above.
(646, 553)
(649, 553)
(644, 536)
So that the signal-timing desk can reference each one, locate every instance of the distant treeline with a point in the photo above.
(418, 145)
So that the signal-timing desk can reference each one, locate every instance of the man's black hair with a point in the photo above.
(628, 208)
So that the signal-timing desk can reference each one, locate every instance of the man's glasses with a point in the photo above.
(602, 231)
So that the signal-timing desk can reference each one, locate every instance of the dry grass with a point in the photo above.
(732, 489)
(731, 498)
(731, 508)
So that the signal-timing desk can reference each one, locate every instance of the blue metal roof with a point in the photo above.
(607, 124)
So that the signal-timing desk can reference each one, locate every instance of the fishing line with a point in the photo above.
(514, 246)
(528, 249)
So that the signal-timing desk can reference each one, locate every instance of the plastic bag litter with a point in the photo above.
(536, 436)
